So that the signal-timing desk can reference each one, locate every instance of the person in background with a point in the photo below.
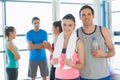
(36, 39)
(57, 29)
(12, 53)
(96, 64)
(68, 55)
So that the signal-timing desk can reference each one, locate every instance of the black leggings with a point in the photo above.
(52, 73)
(12, 73)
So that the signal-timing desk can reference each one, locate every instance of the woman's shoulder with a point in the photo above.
(79, 42)
(9, 44)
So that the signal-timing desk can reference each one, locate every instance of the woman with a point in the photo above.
(12, 53)
(68, 56)
(57, 29)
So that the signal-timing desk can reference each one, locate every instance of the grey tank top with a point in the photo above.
(95, 68)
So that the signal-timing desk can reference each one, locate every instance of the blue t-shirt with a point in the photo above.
(37, 38)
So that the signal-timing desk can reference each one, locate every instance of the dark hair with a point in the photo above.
(57, 24)
(86, 7)
(35, 18)
(8, 29)
(69, 16)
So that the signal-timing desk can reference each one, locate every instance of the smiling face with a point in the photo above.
(87, 17)
(68, 26)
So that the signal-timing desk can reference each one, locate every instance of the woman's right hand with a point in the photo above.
(17, 56)
(54, 61)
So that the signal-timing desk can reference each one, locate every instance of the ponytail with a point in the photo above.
(7, 31)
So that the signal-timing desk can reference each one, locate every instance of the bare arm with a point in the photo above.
(80, 50)
(11, 47)
(48, 46)
(109, 43)
(35, 46)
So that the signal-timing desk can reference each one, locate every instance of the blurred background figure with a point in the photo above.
(12, 53)
(36, 38)
(57, 29)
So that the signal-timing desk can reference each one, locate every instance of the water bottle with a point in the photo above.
(94, 43)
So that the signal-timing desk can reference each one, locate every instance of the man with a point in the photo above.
(96, 66)
(37, 38)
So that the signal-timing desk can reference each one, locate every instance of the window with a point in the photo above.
(78, 1)
(2, 76)
(116, 27)
(115, 21)
(115, 5)
(1, 18)
(21, 18)
(2, 68)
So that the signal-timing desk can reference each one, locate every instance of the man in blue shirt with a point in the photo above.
(36, 38)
